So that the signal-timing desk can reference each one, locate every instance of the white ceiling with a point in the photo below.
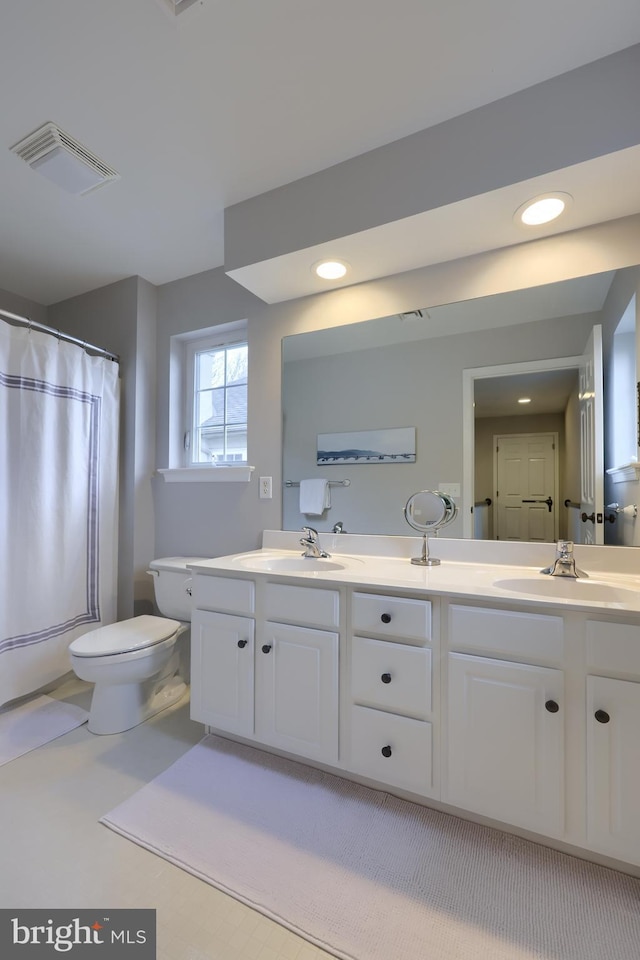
(235, 97)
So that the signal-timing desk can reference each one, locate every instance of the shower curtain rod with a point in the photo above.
(43, 328)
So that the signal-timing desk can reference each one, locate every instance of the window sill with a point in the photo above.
(625, 474)
(206, 474)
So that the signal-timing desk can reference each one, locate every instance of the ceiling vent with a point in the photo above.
(63, 160)
(178, 6)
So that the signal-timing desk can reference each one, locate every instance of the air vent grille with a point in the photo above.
(49, 140)
(179, 6)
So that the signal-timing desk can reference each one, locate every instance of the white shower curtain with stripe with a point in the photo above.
(58, 503)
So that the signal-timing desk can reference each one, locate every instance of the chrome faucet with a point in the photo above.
(338, 527)
(564, 564)
(311, 544)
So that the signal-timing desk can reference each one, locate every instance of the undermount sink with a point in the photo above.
(566, 588)
(299, 564)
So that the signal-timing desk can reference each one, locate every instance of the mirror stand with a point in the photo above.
(424, 560)
(427, 511)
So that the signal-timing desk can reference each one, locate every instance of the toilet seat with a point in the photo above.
(127, 636)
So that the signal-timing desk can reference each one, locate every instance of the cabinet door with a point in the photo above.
(222, 671)
(297, 690)
(506, 742)
(613, 767)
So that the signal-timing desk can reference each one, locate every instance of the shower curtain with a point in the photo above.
(58, 503)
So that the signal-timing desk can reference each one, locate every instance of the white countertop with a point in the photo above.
(612, 583)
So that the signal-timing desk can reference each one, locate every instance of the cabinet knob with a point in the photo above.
(551, 706)
(386, 751)
(386, 618)
(242, 643)
(602, 716)
(266, 648)
(386, 678)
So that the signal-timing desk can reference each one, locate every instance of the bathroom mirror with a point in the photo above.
(428, 511)
(407, 371)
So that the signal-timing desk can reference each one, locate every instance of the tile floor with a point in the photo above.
(55, 853)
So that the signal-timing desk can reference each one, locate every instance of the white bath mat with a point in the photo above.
(29, 725)
(368, 876)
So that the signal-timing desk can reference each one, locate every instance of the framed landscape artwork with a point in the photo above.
(392, 445)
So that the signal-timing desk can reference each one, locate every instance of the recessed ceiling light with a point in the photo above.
(524, 400)
(330, 269)
(542, 209)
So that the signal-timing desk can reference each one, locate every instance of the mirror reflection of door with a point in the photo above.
(559, 402)
(525, 481)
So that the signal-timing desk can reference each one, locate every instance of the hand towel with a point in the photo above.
(315, 497)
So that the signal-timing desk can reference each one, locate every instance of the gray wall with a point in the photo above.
(22, 307)
(202, 519)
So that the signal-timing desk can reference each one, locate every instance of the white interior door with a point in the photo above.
(591, 440)
(526, 487)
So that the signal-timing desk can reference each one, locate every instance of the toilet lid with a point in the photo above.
(133, 634)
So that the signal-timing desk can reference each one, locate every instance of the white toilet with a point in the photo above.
(139, 666)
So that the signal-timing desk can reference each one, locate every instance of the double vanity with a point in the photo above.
(479, 686)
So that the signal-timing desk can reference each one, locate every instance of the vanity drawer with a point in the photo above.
(391, 676)
(613, 647)
(392, 617)
(223, 593)
(505, 633)
(406, 761)
(317, 607)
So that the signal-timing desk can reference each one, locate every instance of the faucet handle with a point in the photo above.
(565, 548)
(311, 533)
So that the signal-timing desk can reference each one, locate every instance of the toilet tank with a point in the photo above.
(172, 585)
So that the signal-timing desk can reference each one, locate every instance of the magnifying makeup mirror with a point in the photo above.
(428, 511)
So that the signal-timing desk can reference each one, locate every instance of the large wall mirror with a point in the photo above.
(410, 370)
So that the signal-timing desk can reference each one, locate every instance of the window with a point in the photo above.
(216, 389)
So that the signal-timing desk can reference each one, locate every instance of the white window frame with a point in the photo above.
(226, 335)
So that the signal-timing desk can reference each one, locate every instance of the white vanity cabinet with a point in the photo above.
(523, 713)
(506, 717)
(264, 663)
(391, 691)
(613, 739)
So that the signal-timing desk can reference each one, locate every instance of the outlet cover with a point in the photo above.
(266, 488)
(453, 489)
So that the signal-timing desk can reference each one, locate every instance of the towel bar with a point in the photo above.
(332, 483)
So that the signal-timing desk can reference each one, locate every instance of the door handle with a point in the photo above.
(548, 501)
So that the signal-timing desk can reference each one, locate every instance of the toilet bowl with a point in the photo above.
(139, 666)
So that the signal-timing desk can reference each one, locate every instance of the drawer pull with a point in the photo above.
(386, 751)
(242, 643)
(602, 716)
(266, 648)
(386, 678)
(551, 706)
(386, 618)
